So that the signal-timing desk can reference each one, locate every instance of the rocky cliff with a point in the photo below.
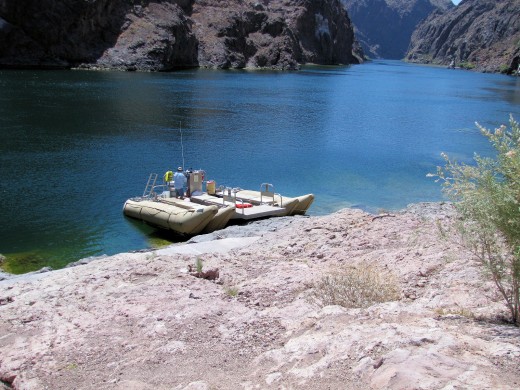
(167, 34)
(384, 27)
(479, 34)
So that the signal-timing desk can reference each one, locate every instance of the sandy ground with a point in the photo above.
(142, 321)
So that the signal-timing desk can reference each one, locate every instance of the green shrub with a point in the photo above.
(487, 197)
(467, 65)
(356, 287)
(231, 291)
(462, 312)
(504, 68)
(199, 265)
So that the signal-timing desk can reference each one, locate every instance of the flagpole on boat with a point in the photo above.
(182, 145)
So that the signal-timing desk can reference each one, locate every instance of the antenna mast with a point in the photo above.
(182, 145)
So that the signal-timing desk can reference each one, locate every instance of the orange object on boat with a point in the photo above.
(243, 205)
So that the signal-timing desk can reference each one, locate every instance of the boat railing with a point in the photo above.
(267, 191)
(281, 199)
(241, 205)
(156, 191)
(228, 195)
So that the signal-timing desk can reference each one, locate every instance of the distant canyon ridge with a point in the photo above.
(477, 34)
(384, 27)
(161, 35)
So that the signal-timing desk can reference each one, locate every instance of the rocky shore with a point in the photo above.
(145, 321)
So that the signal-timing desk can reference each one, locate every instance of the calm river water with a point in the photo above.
(74, 145)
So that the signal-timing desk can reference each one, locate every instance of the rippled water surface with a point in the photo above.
(74, 145)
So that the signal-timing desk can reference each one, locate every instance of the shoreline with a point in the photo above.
(254, 228)
(144, 321)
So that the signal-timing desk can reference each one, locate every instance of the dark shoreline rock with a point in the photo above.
(165, 35)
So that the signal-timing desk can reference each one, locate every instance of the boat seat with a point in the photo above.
(267, 196)
(229, 196)
(267, 193)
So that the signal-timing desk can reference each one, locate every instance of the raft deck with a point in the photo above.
(247, 213)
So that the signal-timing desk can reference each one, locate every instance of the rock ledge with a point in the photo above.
(142, 321)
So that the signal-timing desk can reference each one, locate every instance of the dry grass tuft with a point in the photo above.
(356, 287)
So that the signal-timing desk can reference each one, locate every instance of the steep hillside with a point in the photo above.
(168, 34)
(479, 34)
(384, 27)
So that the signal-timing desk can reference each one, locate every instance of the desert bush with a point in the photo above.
(504, 68)
(199, 265)
(356, 287)
(231, 291)
(467, 65)
(487, 197)
(460, 311)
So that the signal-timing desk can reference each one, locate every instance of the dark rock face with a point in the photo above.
(479, 34)
(274, 34)
(168, 34)
(156, 37)
(119, 34)
(384, 27)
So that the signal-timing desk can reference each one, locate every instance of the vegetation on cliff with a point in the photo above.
(477, 34)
